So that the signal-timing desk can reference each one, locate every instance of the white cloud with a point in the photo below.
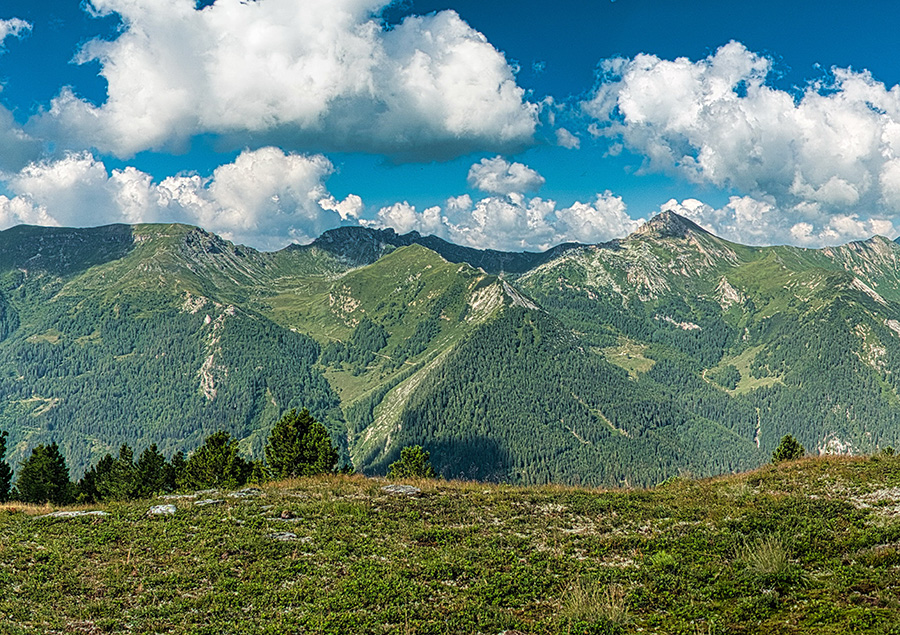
(566, 139)
(265, 198)
(828, 155)
(597, 222)
(404, 218)
(513, 222)
(319, 73)
(13, 27)
(751, 221)
(499, 176)
(349, 208)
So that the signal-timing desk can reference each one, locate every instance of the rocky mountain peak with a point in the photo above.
(668, 224)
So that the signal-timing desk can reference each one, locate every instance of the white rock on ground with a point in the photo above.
(161, 510)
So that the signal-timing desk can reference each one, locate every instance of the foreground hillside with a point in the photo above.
(807, 547)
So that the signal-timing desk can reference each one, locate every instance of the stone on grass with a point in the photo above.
(162, 510)
(73, 514)
(208, 501)
(406, 490)
(283, 536)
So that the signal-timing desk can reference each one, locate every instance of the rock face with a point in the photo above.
(162, 510)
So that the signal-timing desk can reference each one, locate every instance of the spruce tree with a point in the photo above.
(121, 481)
(5, 470)
(152, 472)
(44, 477)
(88, 489)
(175, 472)
(216, 463)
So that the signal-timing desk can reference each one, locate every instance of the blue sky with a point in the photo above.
(510, 125)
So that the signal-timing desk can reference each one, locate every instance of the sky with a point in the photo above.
(505, 124)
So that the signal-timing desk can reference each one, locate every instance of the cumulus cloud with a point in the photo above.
(13, 27)
(752, 221)
(499, 176)
(827, 155)
(322, 74)
(566, 139)
(265, 198)
(513, 222)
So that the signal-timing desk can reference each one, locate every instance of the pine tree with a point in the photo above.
(5, 470)
(299, 446)
(44, 477)
(414, 463)
(216, 463)
(319, 455)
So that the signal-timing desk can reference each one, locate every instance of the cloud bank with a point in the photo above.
(513, 222)
(265, 198)
(320, 74)
(818, 160)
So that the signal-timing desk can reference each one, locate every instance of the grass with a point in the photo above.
(629, 355)
(805, 547)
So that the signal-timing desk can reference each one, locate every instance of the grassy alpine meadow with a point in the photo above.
(811, 546)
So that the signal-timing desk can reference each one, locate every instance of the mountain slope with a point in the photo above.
(808, 338)
(668, 351)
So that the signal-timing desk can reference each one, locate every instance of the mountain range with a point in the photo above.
(667, 352)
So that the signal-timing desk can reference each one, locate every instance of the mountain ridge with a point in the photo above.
(631, 361)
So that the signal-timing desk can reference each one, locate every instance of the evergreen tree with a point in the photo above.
(259, 473)
(44, 477)
(319, 455)
(414, 463)
(152, 472)
(88, 490)
(299, 446)
(120, 482)
(216, 463)
(175, 472)
(5, 470)
(788, 450)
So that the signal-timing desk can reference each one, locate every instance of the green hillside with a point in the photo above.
(668, 352)
(809, 547)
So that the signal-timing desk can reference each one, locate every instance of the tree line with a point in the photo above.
(298, 445)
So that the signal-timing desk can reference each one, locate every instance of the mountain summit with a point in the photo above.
(668, 224)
